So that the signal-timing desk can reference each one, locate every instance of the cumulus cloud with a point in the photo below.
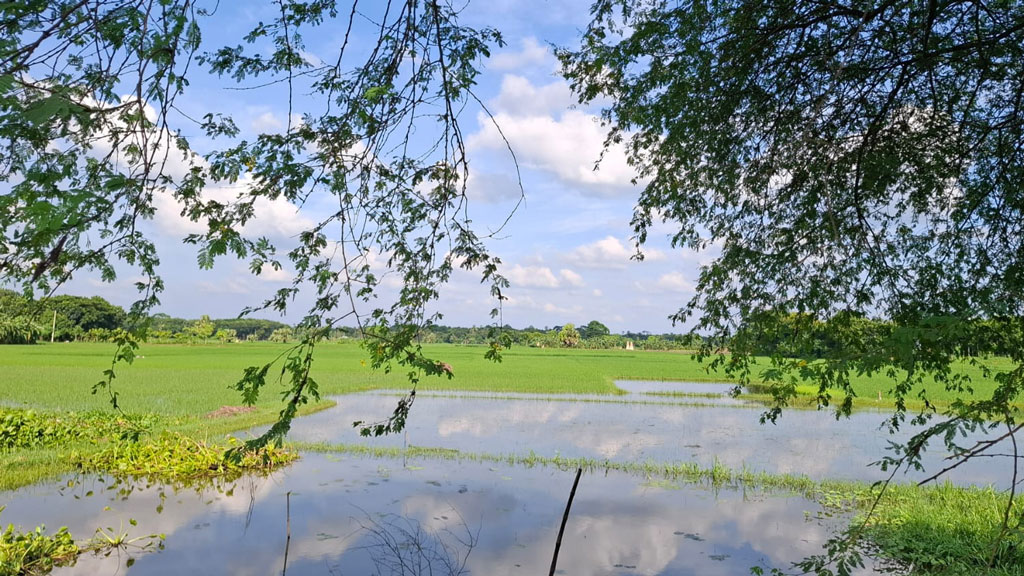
(610, 252)
(536, 276)
(531, 53)
(266, 122)
(567, 147)
(546, 135)
(675, 282)
(270, 275)
(276, 218)
(532, 276)
(571, 278)
(519, 97)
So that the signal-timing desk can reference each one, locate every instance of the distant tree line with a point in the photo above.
(592, 335)
(65, 318)
(794, 335)
(68, 318)
(93, 319)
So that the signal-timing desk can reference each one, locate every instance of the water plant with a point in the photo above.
(35, 552)
(172, 457)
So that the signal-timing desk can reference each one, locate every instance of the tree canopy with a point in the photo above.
(93, 139)
(844, 161)
(840, 161)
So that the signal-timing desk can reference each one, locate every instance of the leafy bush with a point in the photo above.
(19, 330)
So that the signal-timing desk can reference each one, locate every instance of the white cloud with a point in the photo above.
(519, 97)
(675, 282)
(536, 276)
(609, 252)
(567, 147)
(532, 276)
(276, 218)
(571, 278)
(269, 274)
(532, 53)
(536, 122)
(266, 122)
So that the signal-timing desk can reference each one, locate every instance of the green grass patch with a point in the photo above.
(35, 446)
(950, 531)
(181, 380)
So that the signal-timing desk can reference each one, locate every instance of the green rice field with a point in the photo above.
(180, 380)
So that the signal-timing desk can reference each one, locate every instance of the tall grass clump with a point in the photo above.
(948, 530)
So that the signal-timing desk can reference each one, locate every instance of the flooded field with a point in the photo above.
(640, 427)
(360, 516)
(334, 515)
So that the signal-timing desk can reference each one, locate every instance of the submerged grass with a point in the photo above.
(717, 475)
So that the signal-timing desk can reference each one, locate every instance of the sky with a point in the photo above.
(567, 248)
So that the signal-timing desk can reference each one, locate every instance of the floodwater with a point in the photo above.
(357, 516)
(644, 427)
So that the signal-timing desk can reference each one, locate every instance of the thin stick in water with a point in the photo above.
(287, 530)
(565, 518)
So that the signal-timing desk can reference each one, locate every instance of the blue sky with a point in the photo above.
(567, 248)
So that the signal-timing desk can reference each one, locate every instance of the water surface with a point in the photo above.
(353, 516)
(642, 427)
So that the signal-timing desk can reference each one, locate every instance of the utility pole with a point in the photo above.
(53, 327)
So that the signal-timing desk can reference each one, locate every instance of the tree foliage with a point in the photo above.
(68, 317)
(593, 329)
(844, 161)
(848, 161)
(568, 336)
(87, 105)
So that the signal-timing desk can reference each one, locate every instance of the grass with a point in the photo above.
(717, 475)
(186, 381)
(947, 530)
